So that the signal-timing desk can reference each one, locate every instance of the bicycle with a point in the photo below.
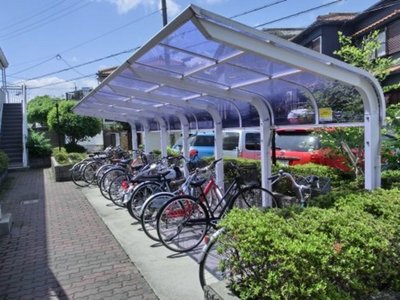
(304, 188)
(161, 182)
(183, 221)
(212, 266)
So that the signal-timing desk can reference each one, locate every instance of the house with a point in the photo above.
(384, 16)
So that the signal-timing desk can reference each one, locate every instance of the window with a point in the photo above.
(393, 37)
(231, 140)
(382, 41)
(315, 44)
(253, 141)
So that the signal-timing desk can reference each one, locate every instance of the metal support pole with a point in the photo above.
(164, 12)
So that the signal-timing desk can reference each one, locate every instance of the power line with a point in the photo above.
(34, 66)
(64, 81)
(41, 23)
(89, 41)
(84, 64)
(59, 57)
(28, 18)
(298, 13)
(256, 9)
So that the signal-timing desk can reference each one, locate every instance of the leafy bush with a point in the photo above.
(391, 179)
(70, 147)
(38, 145)
(3, 160)
(60, 155)
(63, 157)
(76, 157)
(347, 252)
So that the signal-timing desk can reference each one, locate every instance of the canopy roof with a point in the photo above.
(210, 70)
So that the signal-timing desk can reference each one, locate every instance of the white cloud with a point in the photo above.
(52, 86)
(173, 8)
(123, 6)
(211, 2)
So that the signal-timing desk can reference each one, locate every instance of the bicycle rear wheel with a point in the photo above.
(148, 215)
(118, 187)
(254, 196)
(89, 171)
(182, 223)
(77, 174)
(106, 180)
(212, 267)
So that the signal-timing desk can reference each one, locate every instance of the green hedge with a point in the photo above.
(349, 251)
(3, 160)
(38, 145)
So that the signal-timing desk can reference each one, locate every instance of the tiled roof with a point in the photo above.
(332, 17)
(382, 21)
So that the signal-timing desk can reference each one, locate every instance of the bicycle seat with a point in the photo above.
(198, 183)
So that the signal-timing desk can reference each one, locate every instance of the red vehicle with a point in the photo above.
(293, 147)
(299, 146)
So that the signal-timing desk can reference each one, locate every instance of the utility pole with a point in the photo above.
(164, 12)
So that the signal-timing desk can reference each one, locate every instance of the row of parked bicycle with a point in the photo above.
(180, 212)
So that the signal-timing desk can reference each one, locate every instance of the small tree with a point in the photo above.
(38, 109)
(76, 128)
(348, 142)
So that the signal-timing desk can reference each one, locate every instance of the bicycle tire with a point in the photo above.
(107, 178)
(77, 176)
(89, 171)
(253, 196)
(148, 214)
(182, 223)
(212, 268)
(117, 191)
(100, 172)
(139, 196)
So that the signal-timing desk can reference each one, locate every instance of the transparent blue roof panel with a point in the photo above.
(259, 64)
(173, 60)
(228, 75)
(188, 37)
(131, 82)
(173, 92)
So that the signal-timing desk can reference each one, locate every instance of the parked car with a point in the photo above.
(203, 142)
(293, 146)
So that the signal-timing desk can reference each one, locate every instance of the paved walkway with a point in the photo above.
(59, 247)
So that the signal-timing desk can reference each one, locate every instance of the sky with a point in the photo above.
(57, 46)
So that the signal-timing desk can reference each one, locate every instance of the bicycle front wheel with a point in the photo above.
(254, 196)
(148, 215)
(77, 174)
(182, 223)
(212, 266)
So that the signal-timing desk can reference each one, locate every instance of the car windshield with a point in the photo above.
(201, 140)
(296, 141)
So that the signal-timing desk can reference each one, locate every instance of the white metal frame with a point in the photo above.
(245, 40)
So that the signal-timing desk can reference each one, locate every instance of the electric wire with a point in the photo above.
(91, 40)
(30, 17)
(41, 23)
(299, 13)
(256, 9)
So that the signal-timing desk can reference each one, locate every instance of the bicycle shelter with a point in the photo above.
(203, 70)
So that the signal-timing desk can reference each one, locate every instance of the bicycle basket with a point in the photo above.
(321, 186)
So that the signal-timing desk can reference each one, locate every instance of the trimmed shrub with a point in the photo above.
(351, 251)
(38, 145)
